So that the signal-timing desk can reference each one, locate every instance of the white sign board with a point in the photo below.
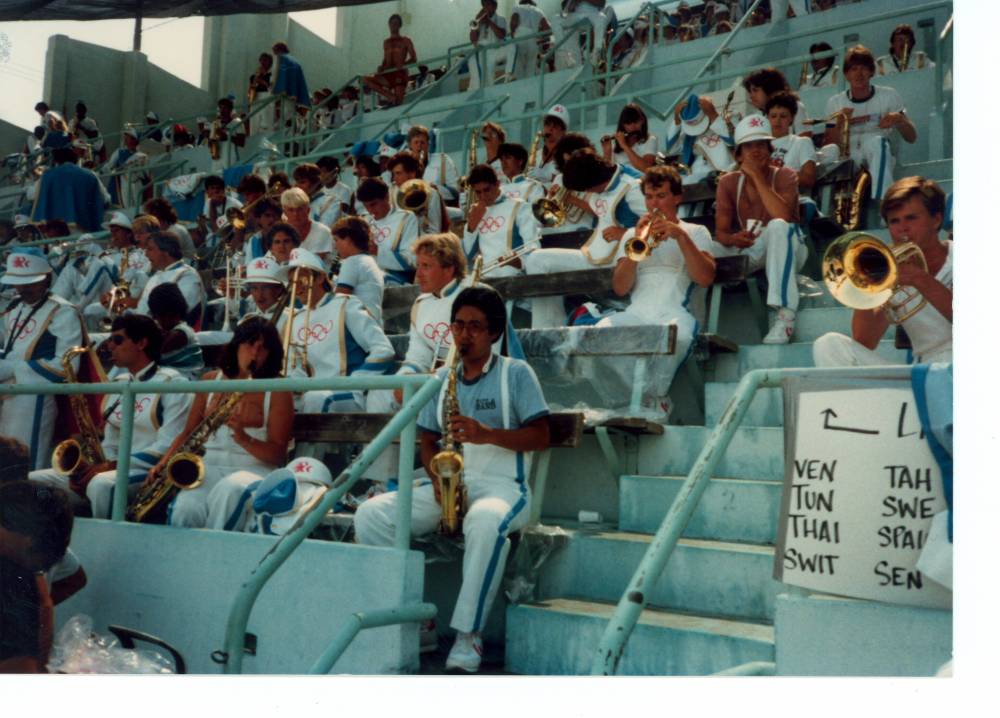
(861, 488)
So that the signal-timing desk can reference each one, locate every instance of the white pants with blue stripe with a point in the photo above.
(497, 507)
(780, 251)
(30, 418)
(203, 507)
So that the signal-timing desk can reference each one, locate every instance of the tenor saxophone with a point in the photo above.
(185, 469)
(120, 291)
(74, 457)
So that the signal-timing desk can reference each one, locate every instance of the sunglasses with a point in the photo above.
(117, 339)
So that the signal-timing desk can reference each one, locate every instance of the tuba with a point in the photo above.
(74, 457)
(861, 272)
(849, 194)
(185, 469)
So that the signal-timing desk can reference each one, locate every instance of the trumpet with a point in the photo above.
(639, 247)
(863, 273)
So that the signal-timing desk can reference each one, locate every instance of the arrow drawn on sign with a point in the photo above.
(830, 413)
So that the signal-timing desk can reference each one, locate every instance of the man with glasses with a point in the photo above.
(501, 419)
(157, 420)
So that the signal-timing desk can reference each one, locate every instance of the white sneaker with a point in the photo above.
(466, 654)
(782, 329)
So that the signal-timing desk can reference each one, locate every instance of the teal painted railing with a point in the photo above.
(635, 598)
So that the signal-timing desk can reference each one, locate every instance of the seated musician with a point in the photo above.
(127, 237)
(134, 344)
(493, 135)
(660, 285)
(500, 420)
(266, 213)
(279, 241)
(873, 112)
(307, 178)
(497, 226)
(822, 71)
(36, 329)
(392, 77)
(792, 151)
(336, 196)
(315, 236)
(180, 349)
(761, 85)
(217, 201)
(914, 210)
(394, 231)
(265, 281)
(631, 144)
(617, 201)
(555, 124)
(229, 132)
(254, 438)
(359, 274)
(515, 183)
(331, 335)
(433, 216)
(164, 253)
(170, 222)
(439, 169)
(757, 208)
(902, 55)
(706, 137)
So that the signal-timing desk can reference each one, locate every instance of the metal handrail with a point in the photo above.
(626, 27)
(370, 619)
(636, 596)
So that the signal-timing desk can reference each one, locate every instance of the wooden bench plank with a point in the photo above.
(631, 425)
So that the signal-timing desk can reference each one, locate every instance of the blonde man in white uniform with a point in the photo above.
(35, 332)
(913, 208)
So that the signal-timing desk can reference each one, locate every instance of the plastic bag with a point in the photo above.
(77, 649)
(537, 544)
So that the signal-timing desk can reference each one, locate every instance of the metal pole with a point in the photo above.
(404, 503)
(137, 32)
(124, 454)
(371, 619)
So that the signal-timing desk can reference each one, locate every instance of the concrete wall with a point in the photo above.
(12, 137)
(116, 86)
(178, 584)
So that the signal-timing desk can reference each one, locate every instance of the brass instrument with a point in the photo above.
(74, 457)
(214, 140)
(849, 194)
(536, 142)
(804, 74)
(555, 210)
(473, 161)
(121, 291)
(862, 273)
(297, 354)
(414, 195)
(905, 60)
(507, 259)
(639, 247)
(447, 464)
(185, 469)
(727, 112)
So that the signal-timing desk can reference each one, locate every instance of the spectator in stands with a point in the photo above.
(873, 112)
(164, 253)
(35, 527)
(790, 150)
(180, 349)
(497, 226)
(228, 134)
(555, 124)
(35, 332)
(913, 209)
(217, 202)
(69, 192)
(491, 28)
(823, 70)
(347, 107)
(85, 128)
(265, 214)
(128, 182)
(336, 197)
(394, 231)
(514, 183)
(106, 271)
(307, 178)
(526, 18)
(359, 274)
(259, 92)
(433, 215)
(391, 78)
(42, 109)
(290, 87)
(902, 55)
(279, 241)
(632, 143)
(167, 216)
(756, 214)
(497, 442)
(762, 84)
(315, 236)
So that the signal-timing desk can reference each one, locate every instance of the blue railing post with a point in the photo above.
(407, 446)
(124, 453)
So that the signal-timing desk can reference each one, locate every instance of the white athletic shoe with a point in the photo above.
(466, 654)
(782, 329)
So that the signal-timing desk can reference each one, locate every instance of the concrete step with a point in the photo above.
(560, 637)
(729, 510)
(716, 578)
(730, 367)
(812, 323)
(755, 453)
(766, 409)
(936, 170)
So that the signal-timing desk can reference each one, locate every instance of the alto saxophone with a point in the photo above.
(185, 469)
(74, 457)
(447, 464)
(533, 152)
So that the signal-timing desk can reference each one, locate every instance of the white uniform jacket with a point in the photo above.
(187, 280)
(621, 204)
(507, 225)
(394, 234)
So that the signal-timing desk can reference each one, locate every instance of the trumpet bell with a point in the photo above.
(67, 457)
(186, 470)
(548, 212)
(638, 249)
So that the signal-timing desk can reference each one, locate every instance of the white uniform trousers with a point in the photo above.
(30, 418)
(386, 465)
(229, 503)
(52, 478)
(876, 155)
(550, 311)
(836, 350)
(497, 506)
(101, 489)
(194, 507)
(780, 251)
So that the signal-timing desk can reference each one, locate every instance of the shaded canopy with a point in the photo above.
(121, 9)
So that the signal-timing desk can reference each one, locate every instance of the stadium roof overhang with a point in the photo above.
(121, 9)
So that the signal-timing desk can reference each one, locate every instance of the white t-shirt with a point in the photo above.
(319, 241)
(883, 101)
(792, 151)
(361, 274)
(649, 147)
(928, 329)
(529, 19)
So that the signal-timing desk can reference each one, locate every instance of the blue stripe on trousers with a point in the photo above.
(883, 149)
(786, 273)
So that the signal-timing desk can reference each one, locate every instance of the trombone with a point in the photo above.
(301, 349)
(506, 259)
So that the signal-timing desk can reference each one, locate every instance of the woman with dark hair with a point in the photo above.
(631, 144)
(279, 241)
(165, 212)
(181, 350)
(254, 439)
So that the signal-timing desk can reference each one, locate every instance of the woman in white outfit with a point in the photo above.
(253, 441)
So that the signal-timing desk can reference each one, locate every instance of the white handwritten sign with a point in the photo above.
(861, 488)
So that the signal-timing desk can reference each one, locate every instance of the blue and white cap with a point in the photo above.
(278, 494)
(265, 270)
(693, 119)
(26, 265)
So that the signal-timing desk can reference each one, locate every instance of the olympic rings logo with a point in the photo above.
(493, 224)
(380, 234)
(316, 333)
(601, 207)
(711, 139)
(28, 330)
(140, 406)
(513, 194)
(438, 332)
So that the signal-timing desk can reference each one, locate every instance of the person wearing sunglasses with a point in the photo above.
(134, 344)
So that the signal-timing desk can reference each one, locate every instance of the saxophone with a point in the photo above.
(185, 469)
(533, 152)
(849, 194)
(74, 457)
(120, 291)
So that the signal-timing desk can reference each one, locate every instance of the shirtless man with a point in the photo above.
(390, 80)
